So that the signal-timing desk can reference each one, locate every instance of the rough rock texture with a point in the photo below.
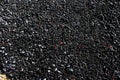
(60, 39)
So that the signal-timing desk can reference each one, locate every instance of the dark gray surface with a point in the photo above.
(60, 39)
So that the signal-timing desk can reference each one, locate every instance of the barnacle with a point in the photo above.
(3, 77)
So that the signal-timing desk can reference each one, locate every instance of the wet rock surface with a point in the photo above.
(60, 39)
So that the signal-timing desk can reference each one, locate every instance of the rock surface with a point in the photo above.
(60, 39)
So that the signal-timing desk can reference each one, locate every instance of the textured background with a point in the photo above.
(60, 39)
